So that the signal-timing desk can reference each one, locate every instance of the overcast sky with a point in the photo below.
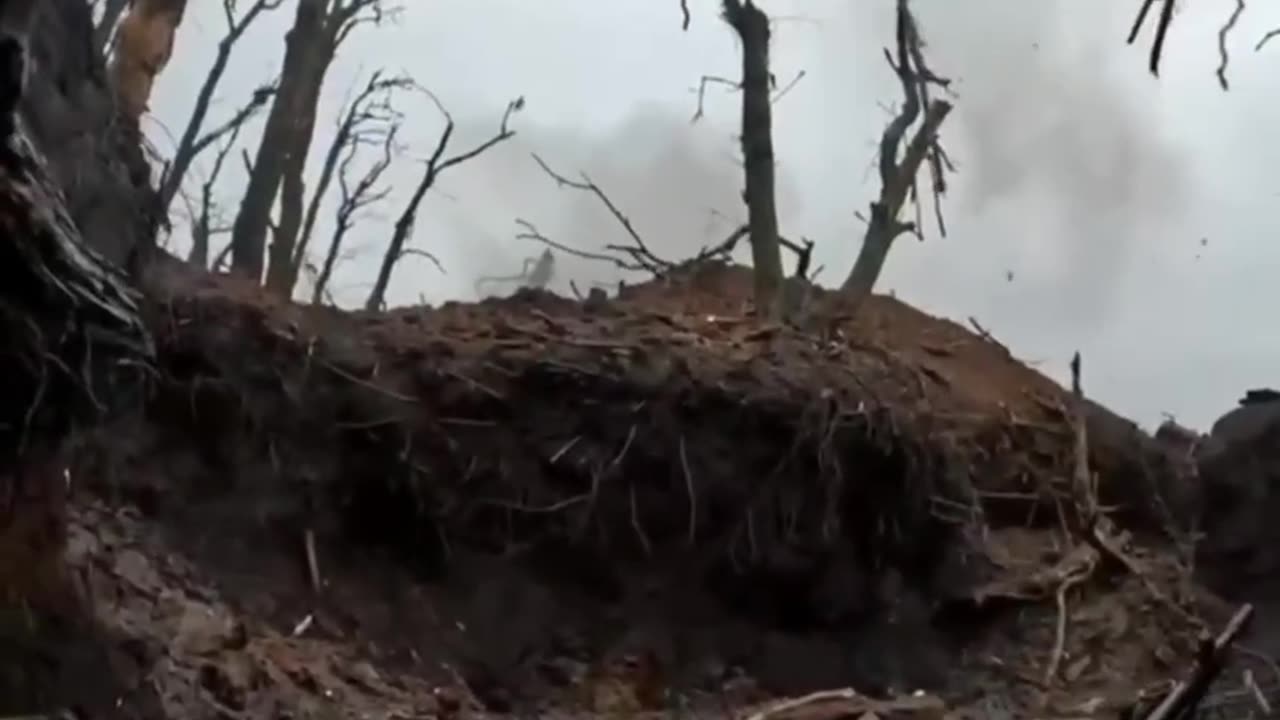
(1136, 216)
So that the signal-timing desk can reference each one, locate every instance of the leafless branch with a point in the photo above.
(898, 177)
(369, 119)
(1223, 32)
(684, 12)
(418, 252)
(639, 252)
(1162, 29)
(353, 199)
(1266, 38)
(702, 91)
(192, 144)
(530, 232)
(202, 230)
(435, 165)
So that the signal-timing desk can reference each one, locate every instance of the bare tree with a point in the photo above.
(351, 201)
(898, 176)
(318, 31)
(369, 119)
(192, 144)
(752, 27)
(144, 44)
(202, 227)
(435, 165)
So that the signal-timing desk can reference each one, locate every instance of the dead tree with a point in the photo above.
(898, 166)
(369, 119)
(192, 143)
(318, 31)
(436, 164)
(752, 26)
(144, 44)
(352, 200)
(202, 227)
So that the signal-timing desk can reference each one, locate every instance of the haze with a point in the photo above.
(1095, 207)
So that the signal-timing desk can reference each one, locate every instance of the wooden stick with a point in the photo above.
(1187, 694)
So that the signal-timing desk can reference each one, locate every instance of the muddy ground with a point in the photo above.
(655, 505)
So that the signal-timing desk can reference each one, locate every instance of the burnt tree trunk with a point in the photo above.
(281, 270)
(249, 233)
(752, 27)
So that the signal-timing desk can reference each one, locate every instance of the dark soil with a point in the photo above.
(528, 505)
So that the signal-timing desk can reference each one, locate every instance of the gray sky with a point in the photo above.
(1089, 180)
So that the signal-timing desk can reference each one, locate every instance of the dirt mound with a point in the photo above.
(638, 505)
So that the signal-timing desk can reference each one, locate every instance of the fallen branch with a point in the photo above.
(1211, 659)
(847, 702)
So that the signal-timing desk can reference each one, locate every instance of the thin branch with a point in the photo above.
(640, 252)
(1223, 58)
(532, 233)
(367, 117)
(435, 165)
(191, 144)
(1162, 29)
(202, 230)
(1266, 38)
(352, 200)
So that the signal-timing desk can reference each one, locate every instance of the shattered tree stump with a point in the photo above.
(70, 326)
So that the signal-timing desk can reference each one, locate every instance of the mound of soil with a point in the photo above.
(639, 505)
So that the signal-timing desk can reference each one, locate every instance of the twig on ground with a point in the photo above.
(1060, 631)
(693, 495)
(313, 563)
(853, 704)
(636, 524)
(986, 335)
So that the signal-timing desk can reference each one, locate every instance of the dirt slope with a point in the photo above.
(649, 504)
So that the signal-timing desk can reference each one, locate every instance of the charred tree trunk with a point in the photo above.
(752, 26)
(281, 270)
(897, 177)
(249, 234)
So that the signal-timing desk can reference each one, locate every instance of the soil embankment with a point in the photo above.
(530, 504)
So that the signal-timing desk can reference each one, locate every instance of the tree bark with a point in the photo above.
(752, 26)
(249, 233)
(281, 270)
